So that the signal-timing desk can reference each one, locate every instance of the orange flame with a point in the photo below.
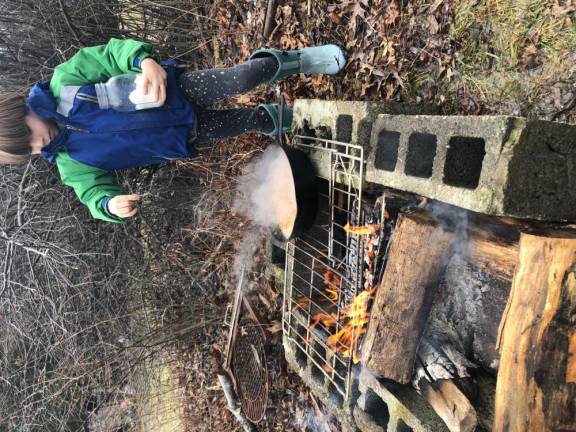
(302, 302)
(361, 230)
(347, 330)
(351, 326)
(332, 281)
(328, 369)
(355, 317)
(327, 320)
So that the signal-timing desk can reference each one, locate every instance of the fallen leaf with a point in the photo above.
(432, 24)
(274, 327)
(392, 14)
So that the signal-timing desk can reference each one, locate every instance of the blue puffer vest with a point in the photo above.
(110, 139)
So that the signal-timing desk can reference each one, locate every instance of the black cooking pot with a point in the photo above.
(305, 184)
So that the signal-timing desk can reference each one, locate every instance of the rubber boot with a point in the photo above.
(272, 110)
(324, 59)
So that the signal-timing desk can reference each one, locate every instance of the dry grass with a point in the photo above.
(516, 57)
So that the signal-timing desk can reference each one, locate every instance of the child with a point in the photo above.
(62, 121)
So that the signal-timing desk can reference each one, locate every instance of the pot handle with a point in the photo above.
(280, 115)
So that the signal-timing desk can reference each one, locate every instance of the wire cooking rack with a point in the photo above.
(324, 266)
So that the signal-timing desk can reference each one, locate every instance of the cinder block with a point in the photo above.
(346, 121)
(406, 409)
(497, 165)
(321, 388)
(374, 405)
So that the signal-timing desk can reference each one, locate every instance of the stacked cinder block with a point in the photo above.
(499, 165)
(347, 121)
(373, 406)
(321, 387)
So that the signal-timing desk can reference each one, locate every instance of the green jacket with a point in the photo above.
(87, 66)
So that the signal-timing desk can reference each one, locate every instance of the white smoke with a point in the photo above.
(308, 420)
(266, 193)
(246, 252)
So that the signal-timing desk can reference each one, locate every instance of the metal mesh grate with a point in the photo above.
(324, 266)
(249, 369)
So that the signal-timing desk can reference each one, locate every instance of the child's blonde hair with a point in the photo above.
(14, 134)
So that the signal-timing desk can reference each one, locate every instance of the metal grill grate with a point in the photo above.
(249, 369)
(324, 266)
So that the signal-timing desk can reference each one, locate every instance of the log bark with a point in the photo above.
(451, 405)
(536, 386)
(417, 256)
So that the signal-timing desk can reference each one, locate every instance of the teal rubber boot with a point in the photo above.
(272, 110)
(324, 59)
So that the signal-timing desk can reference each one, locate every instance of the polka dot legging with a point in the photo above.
(205, 87)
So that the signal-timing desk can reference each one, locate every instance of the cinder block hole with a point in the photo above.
(464, 161)
(320, 131)
(403, 427)
(421, 153)
(341, 369)
(277, 256)
(376, 408)
(319, 353)
(301, 357)
(307, 130)
(318, 375)
(344, 128)
(335, 395)
(324, 132)
(387, 150)
(364, 131)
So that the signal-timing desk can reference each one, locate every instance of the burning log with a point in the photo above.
(536, 387)
(462, 326)
(417, 257)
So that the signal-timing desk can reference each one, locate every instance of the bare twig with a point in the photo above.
(269, 21)
(70, 26)
(233, 405)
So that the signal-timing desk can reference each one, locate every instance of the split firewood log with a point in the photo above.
(536, 387)
(451, 405)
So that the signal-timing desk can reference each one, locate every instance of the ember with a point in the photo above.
(328, 369)
(361, 230)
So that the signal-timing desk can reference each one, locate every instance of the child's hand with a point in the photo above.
(123, 206)
(153, 79)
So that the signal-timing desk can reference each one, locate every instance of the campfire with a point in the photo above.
(346, 328)
(346, 340)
